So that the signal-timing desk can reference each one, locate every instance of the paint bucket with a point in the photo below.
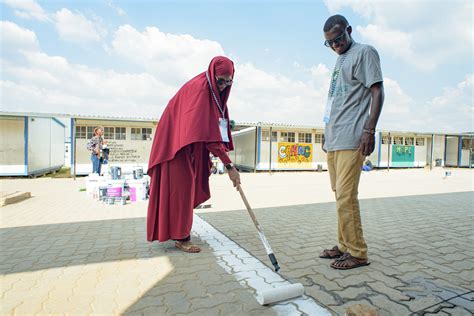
(110, 201)
(121, 200)
(92, 182)
(138, 173)
(115, 188)
(138, 189)
(102, 191)
(115, 172)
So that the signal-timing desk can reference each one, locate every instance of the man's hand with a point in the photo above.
(367, 144)
(234, 176)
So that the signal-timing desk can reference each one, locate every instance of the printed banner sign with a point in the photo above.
(295, 153)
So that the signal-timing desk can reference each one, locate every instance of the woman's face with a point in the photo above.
(223, 81)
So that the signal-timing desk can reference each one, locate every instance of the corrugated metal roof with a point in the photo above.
(80, 116)
(285, 125)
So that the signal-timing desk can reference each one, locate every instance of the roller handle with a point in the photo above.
(249, 209)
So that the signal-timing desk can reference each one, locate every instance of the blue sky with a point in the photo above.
(128, 58)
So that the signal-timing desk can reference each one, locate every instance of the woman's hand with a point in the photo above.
(234, 176)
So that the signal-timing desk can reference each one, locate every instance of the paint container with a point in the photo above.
(138, 173)
(138, 189)
(115, 172)
(110, 201)
(92, 181)
(115, 187)
(121, 200)
(102, 191)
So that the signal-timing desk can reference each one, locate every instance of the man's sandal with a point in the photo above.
(347, 262)
(332, 253)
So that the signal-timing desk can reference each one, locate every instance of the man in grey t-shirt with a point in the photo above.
(353, 108)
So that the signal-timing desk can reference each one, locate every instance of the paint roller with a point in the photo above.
(281, 293)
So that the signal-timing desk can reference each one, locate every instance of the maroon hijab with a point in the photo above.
(192, 115)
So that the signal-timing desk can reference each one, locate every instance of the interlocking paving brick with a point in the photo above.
(97, 251)
(400, 233)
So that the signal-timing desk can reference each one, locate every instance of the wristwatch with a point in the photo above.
(369, 131)
(229, 166)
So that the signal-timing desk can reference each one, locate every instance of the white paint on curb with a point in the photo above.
(250, 272)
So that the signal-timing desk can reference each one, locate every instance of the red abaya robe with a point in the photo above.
(179, 165)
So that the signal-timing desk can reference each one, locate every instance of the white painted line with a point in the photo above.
(250, 272)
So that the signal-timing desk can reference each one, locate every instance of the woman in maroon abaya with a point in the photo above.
(194, 123)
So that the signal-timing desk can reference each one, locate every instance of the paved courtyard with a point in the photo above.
(64, 253)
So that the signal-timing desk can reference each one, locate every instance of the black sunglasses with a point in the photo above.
(222, 81)
(336, 40)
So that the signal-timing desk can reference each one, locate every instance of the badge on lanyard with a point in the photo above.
(327, 111)
(223, 126)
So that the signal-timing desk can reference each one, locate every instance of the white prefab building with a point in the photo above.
(30, 145)
(459, 150)
(268, 146)
(129, 141)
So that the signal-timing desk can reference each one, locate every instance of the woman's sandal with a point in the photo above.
(187, 246)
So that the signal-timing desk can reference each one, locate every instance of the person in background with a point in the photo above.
(194, 124)
(94, 145)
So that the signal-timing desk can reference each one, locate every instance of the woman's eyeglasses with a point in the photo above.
(222, 81)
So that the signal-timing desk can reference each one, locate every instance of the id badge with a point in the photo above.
(327, 111)
(223, 128)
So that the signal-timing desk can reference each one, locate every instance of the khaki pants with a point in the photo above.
(344, 170)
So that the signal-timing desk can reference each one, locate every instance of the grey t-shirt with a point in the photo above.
(352, 98)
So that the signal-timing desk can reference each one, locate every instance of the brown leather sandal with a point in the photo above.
(187, 246)
(346, 262)
(332, 253)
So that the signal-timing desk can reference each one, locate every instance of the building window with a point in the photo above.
(420, 141)
(467, 144)
(386, 139)
(109, 132)
(90, 132)
(120, 133)
(409, 141)
(81, 132)
(300, 137)
(398, 140)
(318, 138)
(284, 136)
(141, 133)
(136, 133)
(274, 136)
(146, 133)
(291, 137)
(265, 136)
(305, 138)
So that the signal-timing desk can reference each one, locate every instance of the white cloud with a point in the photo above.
(40, 82)
(424, 34)
(117, 9)
(260, 96)
(454, 109)
(14, 37)
(171, 57)
(28, 9)
(75, 27)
